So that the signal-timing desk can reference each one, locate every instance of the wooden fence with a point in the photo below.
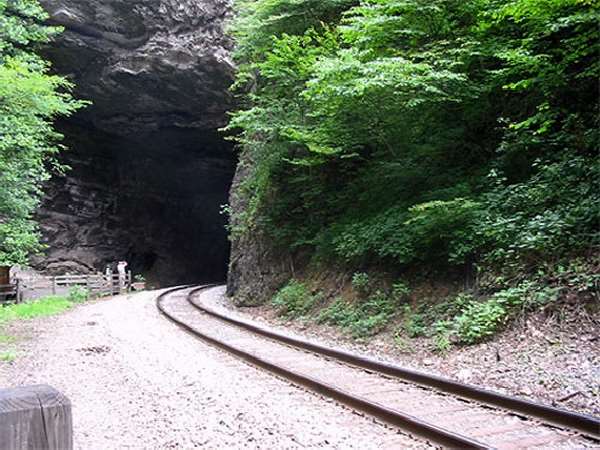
(98, 285)
(8, 290)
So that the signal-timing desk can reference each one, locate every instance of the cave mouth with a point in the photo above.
(149, 168)
(153, 199)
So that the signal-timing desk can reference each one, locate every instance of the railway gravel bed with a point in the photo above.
(496, 428)
(138, 382)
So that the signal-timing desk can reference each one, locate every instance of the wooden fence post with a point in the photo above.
(53, 285)
(19, 293)
(35, 417)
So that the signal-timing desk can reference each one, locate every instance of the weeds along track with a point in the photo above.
(441, 411)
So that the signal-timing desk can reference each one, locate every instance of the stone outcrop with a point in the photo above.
(146, 64)
(256, 268)
(150, 171)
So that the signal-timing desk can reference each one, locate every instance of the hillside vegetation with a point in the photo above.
(31, 98)
(427, 140)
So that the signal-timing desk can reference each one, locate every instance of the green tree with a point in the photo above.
(421, 132)
(30, 100)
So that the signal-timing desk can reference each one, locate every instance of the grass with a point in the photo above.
(6, 339)
(8, 357)
(47, 306)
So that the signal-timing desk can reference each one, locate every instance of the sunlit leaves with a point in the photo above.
(30, 100)
(373, 125)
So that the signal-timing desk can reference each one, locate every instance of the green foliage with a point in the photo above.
(400, 291)
(481, 319)
(470, 320)
(421, 133)
(47, 306)
(442, 332)
(8, 356)
(414, 323)
(361, 283)
(30, 100)
(139, 278)
(364, 318)
(6, 339)
(294, 300)
(78, 294)
(556, 211)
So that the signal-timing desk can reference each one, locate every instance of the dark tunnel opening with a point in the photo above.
(149, 168)
(153, 199)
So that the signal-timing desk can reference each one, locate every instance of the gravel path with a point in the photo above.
(137, 381)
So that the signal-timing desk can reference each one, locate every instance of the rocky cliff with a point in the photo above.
(149, 168)
(256, 268)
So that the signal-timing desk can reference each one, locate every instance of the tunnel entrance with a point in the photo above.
(149, 171)
(153, 200)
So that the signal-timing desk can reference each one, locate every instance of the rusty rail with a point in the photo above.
(583, 423)
(404, 421)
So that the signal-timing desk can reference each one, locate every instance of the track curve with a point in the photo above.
(437, 410)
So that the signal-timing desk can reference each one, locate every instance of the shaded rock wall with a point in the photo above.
(149, 168)
(146, 64)
(256, 268)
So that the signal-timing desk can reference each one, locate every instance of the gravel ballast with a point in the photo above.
(138, 381)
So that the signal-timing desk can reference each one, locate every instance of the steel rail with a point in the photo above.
(403, 421)
(585, 424)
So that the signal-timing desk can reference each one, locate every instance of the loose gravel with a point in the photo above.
(137, 381)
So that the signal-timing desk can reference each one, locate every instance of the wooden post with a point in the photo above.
(19, 293)
(35, 417)
(53, 285)
(129, 281)
(109, 287)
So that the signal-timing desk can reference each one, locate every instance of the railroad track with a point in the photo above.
(439, 410)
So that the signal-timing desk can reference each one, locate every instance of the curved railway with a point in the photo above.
(439, 410)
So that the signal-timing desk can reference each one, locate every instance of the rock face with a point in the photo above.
(256, 268)
(149, 168)
(146, 64)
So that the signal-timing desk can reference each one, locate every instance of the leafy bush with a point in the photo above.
(400, 290)
(442, 332)
(32, 98)
(78, 294)
(294, 299)
(361, 283)
(362, 319)
(556, 211)
(414, 323)
(479, 320)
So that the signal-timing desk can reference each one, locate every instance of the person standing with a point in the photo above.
(122, 270)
